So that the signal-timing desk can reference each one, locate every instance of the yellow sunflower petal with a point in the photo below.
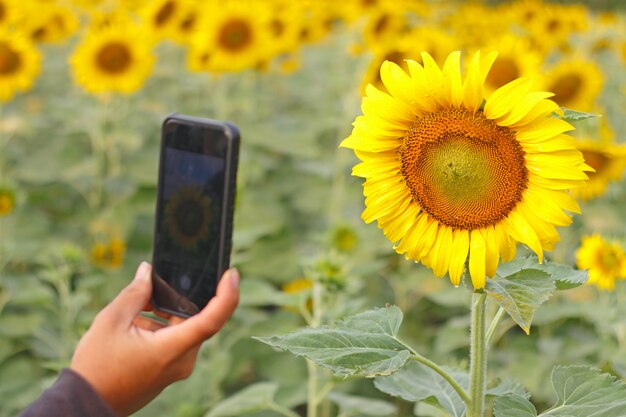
(478, 253)
(492, 254)
(519, 228)
(506, 246)
(459, 251)
(441, 252)
(504, 99)
(452, 78)
(523, 107)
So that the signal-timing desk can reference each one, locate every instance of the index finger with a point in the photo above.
(198, 328)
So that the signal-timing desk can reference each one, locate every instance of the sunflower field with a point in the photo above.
(431, 202)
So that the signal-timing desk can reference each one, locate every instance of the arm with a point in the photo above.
(128, 359)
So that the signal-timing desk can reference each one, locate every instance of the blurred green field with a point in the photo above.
(78, 170)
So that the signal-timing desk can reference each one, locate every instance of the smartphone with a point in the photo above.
(194, 212)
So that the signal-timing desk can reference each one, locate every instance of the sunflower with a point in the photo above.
(48, 22)
(115, 58)
(188, 215)
(7, 201)
(231, 37)
(9, 13)
(575, 82)
(516, 58)
(605, 260)
(608, 160)
(449, 179)
(436, 42)
(161, 17)
(384, 25)
(19, 64)
(109, 254)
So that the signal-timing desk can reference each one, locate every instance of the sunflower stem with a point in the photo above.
(478, 356)
(316, 321)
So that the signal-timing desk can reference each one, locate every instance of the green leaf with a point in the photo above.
(513, 406)
(257, 397)
(415, 382)
(507, 387)
(521, 293)
(364, 344)
(565, 276)
(583, 391)
(570, 115)
(351, 405)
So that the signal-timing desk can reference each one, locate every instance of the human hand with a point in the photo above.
(129, 359)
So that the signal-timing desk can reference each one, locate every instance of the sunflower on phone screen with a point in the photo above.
(188, 216)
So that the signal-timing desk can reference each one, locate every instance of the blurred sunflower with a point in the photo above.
(450, 178)
(430, 39)
(19, 64)
(188, 215)
(576, 83)
(608, 159)
(9, 13)
(297, 286)
(115, 58)
(285, 24)
(555, 24)
(604, 260)
(186, 23)
(47, 22)
(231, 37)
(161, 17)
(109, 254)
(384, 25)
(516, 58)
(7, 201)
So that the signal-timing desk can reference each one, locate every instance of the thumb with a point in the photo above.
(132, 299)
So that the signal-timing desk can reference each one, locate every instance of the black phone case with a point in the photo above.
(232, 159)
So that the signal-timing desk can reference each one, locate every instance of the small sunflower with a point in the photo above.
(576, 83)
(608, 160)
(232, 36)
(385, 24)
(109, 254)
(188, 215)
(162, 16)
(115, 58)
(48, 22)
(7, 201)
(516, 58)
(605, 261)
(19, 64)
(450, 178)
(430, 39)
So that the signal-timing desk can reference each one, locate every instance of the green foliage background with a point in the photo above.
(75, 160)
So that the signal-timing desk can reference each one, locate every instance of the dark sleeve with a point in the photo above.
(70, 396)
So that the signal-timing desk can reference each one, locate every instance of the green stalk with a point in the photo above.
(432, 365)
(316, 321)
(494, 324)
(478, 357)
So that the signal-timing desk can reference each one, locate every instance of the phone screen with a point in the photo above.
(190, 212)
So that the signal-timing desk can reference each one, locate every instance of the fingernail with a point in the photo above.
(143, 271)
(234, 278)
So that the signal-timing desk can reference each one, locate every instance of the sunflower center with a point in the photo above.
(189, 217)
(503, 71)
(10, 61)
(114, 57)
(235, 35)
(164, 14)
(566, 88)
(463, 169)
